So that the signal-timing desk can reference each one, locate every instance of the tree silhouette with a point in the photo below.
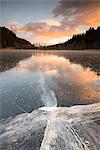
(88, 40)
(9, 39)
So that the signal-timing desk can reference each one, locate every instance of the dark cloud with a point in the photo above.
(69, 8)
(77, 13)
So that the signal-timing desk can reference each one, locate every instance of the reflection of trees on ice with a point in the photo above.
(48, 97)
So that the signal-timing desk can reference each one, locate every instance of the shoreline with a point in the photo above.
(14, 49)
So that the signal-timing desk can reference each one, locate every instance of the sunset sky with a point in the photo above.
(49, 21)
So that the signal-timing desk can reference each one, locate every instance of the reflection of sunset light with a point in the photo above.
(54, 63)
(51, 72)
(85, 80)
(90, 93)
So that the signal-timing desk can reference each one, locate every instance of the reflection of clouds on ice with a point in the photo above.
(53, 65)
(24, 89)
(51, 72)
(62, 70)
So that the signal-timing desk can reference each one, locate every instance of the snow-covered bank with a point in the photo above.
(74, 128)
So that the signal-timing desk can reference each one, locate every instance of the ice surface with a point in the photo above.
(75, 128)
(48, 97)
(24, 132)
(72, 128)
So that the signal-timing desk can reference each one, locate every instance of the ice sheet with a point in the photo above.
(73, 128)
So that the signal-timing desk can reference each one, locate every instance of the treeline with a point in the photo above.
(88, 40)
(8, 39)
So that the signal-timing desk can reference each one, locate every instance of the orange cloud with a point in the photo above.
(93, 19)
(81, 11)
(43, 29)
(51, 22)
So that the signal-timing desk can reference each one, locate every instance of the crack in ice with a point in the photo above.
(48, 97)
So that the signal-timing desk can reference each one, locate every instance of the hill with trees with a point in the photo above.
(8, 39)
(88, 40)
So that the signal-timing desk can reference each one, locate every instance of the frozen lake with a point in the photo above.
(33, 79)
